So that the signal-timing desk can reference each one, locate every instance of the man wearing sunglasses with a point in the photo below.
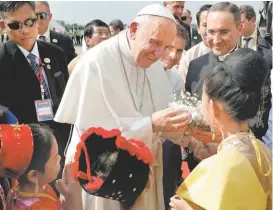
(47, 35)
(32, 72)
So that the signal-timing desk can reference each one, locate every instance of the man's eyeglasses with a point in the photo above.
(19, 25)
(42, 15)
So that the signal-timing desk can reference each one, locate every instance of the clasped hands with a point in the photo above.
(174, 120)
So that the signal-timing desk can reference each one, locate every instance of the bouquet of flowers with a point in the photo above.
(191, 103)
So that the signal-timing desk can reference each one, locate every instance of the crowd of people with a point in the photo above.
(96, 131)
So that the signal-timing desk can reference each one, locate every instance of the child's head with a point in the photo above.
(45, 163)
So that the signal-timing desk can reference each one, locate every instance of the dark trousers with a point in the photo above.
(171, 170)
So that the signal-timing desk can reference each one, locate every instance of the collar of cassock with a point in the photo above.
(125, 47)
(223, 57)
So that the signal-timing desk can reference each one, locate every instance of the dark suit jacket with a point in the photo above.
(19, 86)
(194, 36)
(197, 71)
(263, 47)
(65, 43)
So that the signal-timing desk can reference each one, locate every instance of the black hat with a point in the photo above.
(111, 166)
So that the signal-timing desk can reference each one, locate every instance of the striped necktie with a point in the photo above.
(34, 65)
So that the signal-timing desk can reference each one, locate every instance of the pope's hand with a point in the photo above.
(170, 120)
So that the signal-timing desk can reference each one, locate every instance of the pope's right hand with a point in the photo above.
(170, 120)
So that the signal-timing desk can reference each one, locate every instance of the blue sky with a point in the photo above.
(82, 12)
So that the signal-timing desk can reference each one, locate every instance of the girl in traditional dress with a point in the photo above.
(6, 117)
(33, 190)
(239, 176)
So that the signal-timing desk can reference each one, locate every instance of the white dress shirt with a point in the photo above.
(252, 44)
(46, 35)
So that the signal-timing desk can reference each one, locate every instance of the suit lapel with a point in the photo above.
(53, 37)
(21, 65)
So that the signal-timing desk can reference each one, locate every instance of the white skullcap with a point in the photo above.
(157, 10)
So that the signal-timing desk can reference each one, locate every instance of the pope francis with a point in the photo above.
(121, 84)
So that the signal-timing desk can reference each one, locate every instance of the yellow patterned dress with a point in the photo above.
(238, 177)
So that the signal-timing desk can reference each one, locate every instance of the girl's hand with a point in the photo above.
(177, 203)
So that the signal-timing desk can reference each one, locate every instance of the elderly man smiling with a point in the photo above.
(120, 84)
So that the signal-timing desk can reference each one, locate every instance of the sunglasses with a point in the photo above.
(183, 18)
(42, 15)
(18, 25)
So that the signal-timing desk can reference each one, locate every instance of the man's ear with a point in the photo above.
(50, 16)
(133, 29)
(240, 28)
(216, 109)
(253, 20)
(86, 39)
(2, 25)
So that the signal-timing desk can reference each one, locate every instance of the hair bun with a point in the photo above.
(242, 66)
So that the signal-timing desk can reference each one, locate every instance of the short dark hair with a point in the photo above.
(45, 3)
(237, 83)
(248, 11)
(42, 141)
(117, 24)
(205, 7)
(11, 6)
(182, 33)
(228, 7)
(188, 11)
(89, 30)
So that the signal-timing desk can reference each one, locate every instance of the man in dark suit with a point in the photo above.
(194, 35)
(251, 37)
(177, 8)
(31, 70)
(223, 30)
(45, 34)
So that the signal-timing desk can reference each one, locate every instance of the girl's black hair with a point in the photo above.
(42, 140)
(238, 82)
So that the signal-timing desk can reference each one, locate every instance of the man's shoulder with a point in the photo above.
(54, 49)
(201, 59)
(49, 45)
(60, 36)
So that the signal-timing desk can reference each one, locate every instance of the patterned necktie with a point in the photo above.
(247, 41)
(42, 38)
(34, 65)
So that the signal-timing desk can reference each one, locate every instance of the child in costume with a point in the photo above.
(33, 190)
(239, 176)
(6, 117)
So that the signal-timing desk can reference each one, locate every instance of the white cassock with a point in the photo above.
(107, 89)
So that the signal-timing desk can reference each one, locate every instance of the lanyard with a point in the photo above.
(40, 78)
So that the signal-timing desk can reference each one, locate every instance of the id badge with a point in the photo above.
(44, 110)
